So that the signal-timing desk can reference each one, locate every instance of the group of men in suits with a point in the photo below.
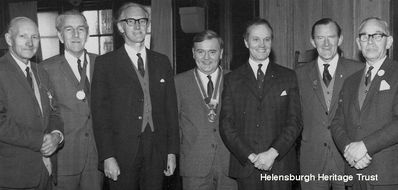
(62, 121)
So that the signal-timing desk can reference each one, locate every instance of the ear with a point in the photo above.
(8, 39)
(246, 44)
(312, 42)
(389, 42)
(60, 37)
(120, 27)
(340, 40)
(193, 53)
(221, 53)
(358, 44)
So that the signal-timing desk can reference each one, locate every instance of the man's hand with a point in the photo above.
(354, 152)
(50, 144)
(265, 160)
(171, 165)
(363, 162)
(111, 168)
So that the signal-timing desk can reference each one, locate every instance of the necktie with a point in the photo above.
(82, 73)
(368, 76)
(140, 62)
(260, 76)
(326, 75)
(210, 87)
(28, 77)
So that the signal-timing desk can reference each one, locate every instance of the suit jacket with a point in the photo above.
(117, 107)
(317, 145)
(200, 139)
(76, 115)
(376, 124)
(253, 122)
(23, 125)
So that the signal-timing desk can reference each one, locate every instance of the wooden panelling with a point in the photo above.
(292, 21)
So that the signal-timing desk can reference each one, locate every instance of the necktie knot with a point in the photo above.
(326, 77)
(140, 64)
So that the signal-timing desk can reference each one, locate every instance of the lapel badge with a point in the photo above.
(380, 73)
(162, 81)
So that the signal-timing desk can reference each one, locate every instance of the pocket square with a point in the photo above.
(384, 85)
(284, 93)
(162, 81)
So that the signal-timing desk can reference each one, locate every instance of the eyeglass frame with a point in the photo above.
(372, 36)
(139, 21)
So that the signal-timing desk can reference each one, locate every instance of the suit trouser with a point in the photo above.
(330, 168)
(147, 170)
(254, 182)
(44, 184)
(215, 180)
(89, 179)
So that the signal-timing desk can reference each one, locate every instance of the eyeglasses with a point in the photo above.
(132, 21)
(376, 36)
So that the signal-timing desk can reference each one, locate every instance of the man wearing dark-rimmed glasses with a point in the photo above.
(365, 126)
(134, 109)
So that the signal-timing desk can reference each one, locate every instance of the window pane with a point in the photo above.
(92, 45)
(105, 21)
(106, 44)
(46, 22)
(49, 47)
(92, 21)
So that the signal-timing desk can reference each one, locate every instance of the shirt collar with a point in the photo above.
(71, 58)
(254, 65)
(332, 65)
(21, 64)
(203, 76)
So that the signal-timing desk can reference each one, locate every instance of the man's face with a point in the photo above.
(136, 32)
(259, 42)
(207, 55)
(23, 40)
(73, 34)
(373, 49)
(326, 41)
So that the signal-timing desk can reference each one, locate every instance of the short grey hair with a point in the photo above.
(59, 22)
(381, 21)
(128, 5)
(14, 21)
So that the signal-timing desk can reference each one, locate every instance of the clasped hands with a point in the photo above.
(264, 160)
(356, 155)
(50, 143)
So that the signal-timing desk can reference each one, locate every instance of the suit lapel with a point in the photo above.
(92, 61)
(196, 90)
(127, 66)
(68, 72)
(339, 77)
(249, 79)
(374, 86)
(42, 91)
(21, 77)
(316, 84)
(270, 75)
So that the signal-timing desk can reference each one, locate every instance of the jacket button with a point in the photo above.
(259, 108)
(86, 134)
(139, 117)
(325, 144)
(215, 130)
(329, 127)
(258, 125)
(89, 116)
(326, 113)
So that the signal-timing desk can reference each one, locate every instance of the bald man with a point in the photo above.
(30, 126)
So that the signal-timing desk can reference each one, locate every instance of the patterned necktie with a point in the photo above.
(326, 77)
(368, 76)
(86, 82)
(260, 76)
(210, 87)
(140, 62)
(28, 77)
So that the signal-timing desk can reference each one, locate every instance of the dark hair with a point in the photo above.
(325, 21)
(207, 35)
(255, 22)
